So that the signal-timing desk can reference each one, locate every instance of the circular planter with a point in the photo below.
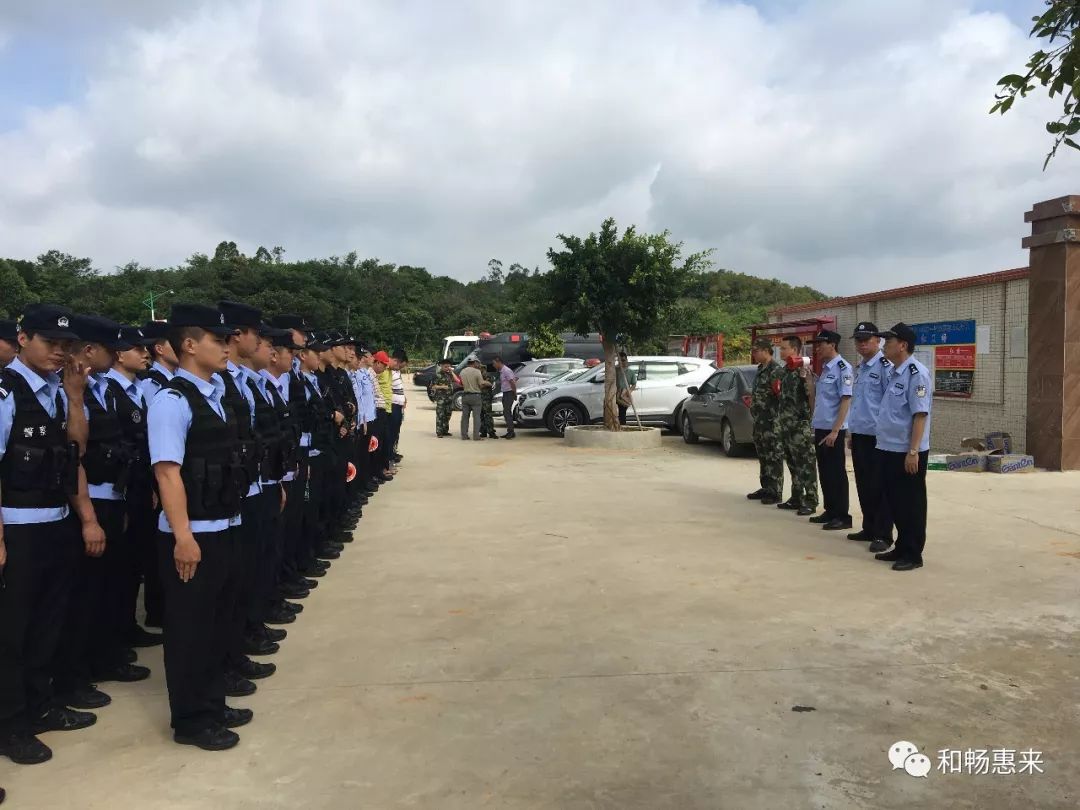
(629, 438)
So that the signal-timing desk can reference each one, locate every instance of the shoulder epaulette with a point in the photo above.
(885, 361)
(841, 364)
(173, 392)
(913, 369)
(3, 392)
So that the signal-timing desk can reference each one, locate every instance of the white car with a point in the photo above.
(659, 396)
(572, 374)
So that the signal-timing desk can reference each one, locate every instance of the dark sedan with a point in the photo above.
(719, 409)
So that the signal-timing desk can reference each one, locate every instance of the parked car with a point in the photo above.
(425, 376)
(719, 409)
(537, 372)
(570, 374)
(662, 384)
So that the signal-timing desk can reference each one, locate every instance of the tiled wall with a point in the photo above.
(999, 399)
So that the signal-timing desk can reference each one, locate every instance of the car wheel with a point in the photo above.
(732, 448)
(457, 400)
(563, 415)
(688, 431)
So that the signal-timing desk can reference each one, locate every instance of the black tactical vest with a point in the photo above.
(132, 420)
(271, 436)
(289, 420)
(40, 467)
(155, 375)
(105, 461)
(250, 450)
(318, 418)
(212, 474)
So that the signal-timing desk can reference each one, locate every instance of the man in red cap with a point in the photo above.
(384, 397)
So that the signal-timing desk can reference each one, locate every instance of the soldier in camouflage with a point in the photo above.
(487, 396)
(793, 427)
(443, 387)
(764, 407)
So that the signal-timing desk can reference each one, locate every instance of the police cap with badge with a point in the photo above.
(900, 331)
(826, 336)
(50, 321)
(9, 331)
(104, 332)
(203, 317)
(241, 316)
(864, 330)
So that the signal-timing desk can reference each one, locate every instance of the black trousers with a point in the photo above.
(864, 457)
(292, 525)
(41, 561)
(382, 430)
(832, 472)
(91, 638)
(397, 416)
(251, 542)
(198, 618)
(622, 414)
(313, 528)
(905, 497)
(142, 539)
(508, 398)
(269, 552)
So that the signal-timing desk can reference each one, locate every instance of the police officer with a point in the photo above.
(764, 405)
(869, 388)
(9, 342)
(93, 647)
(903, 446)
(318, 429)
(194, 444)
(40, 542)
(793, 425)
(163, 362)
(832, 400)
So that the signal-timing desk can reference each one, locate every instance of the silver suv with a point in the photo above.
(661, 390)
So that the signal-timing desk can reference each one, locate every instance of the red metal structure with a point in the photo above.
(805, 329)
(708, 347)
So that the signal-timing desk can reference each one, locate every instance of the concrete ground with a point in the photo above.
(520, 625)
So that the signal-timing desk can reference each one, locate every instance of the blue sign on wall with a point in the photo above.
(942, 333)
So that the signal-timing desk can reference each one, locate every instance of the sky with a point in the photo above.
(843, 144)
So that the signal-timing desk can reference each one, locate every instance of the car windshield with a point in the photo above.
(568, 376)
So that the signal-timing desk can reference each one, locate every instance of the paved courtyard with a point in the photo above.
(520, 625)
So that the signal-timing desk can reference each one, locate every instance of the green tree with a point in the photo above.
(1057, 68)
(17, 293)
(544, 341)
(620, 286)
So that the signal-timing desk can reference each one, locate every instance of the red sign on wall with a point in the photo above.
(955, 357)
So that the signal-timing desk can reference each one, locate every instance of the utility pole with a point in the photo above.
(151, 299)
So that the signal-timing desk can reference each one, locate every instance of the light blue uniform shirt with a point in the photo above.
(909, 392)
(282, 385)
(168, 423)
(260, 383)
(96, 387)
(833, 385)
(131, 387)
(238, 377)
(149, 387)
(44, 389)
(305, 438)
(366, 404)
(871, 378)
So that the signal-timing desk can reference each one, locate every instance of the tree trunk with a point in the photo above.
(611, 410)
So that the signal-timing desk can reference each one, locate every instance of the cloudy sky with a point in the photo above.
(840, 143)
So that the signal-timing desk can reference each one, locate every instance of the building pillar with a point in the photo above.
(1053, 383)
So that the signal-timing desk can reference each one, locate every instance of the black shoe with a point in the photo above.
(805, 510)
(209, 739)
(260, 646)
(862, 534)
(398, 457)
(254, 670)
(508, 436)
(757, 495)
(836, 524)
(274, 633)
(293, 607)
(291, 590)
(234, 718)
(24, 748)
(889, 556)
(130, 656)
(466, 438)
(879, 545)
(279, 615)
(787, 505)
(327, 554)
(314, 571)
(236, 685)
(62, 719)
(139, 637)
(769, 500)
(84, 697)
(125, 673)
(822, 518)
(906, 565)
(334, 545)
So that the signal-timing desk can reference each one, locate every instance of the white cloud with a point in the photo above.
(841, 144)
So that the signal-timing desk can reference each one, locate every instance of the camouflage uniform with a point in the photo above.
(487, 396)
(444, 402)
(764, 407)
(793, 427)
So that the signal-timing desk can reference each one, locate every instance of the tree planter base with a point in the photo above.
(629, 438)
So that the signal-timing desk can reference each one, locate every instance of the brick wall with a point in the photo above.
(999, 397)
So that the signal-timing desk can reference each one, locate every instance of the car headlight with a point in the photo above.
(539, 392)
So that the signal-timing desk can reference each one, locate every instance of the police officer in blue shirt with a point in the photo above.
(40, 543)
(903, 445)
(9, 342)
(194, 450)
(870, 382)
(163, 361)
(832, 399)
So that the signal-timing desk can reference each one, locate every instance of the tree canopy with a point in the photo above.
(392, 306)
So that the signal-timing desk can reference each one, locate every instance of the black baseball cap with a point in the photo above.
(9, 331)
(155, 331)
(273, 333)
(208, 318)
(136, 336)
(288, 321)
(95, 329)
(314, 343)
(826, 336)
(242, 316)
(864, 330)
(51, 321)
(901, 331)
(282, 339)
